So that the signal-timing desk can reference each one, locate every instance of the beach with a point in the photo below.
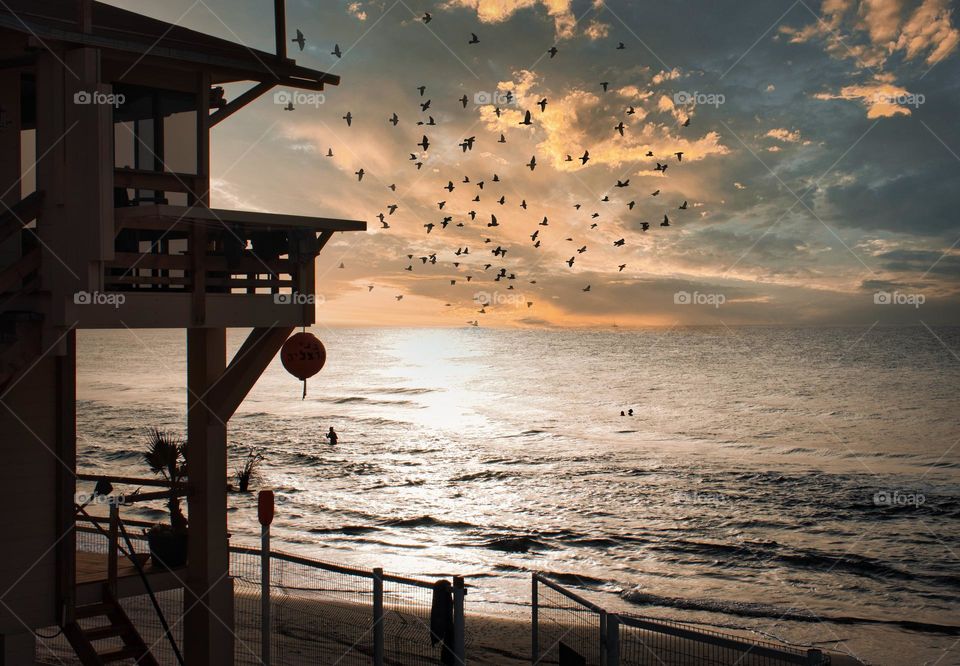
(331, 632)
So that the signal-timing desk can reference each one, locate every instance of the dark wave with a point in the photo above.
(427, 521)
(488, 475)
(516, 544)
(350, 530)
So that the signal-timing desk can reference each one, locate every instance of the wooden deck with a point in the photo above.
(92, 576)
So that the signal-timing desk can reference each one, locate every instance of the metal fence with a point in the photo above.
(570, 630)
(319, 613)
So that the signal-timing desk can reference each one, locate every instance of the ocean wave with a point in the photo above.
(761, 610)
(489, 475)
(516, 544)
(427, 521)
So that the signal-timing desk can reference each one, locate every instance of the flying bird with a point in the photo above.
(474, 39)
(464, 100)
(619, 128)
(542, 104)
(586, 157)
(427, 17)
(425, 143)
(526, 119)
(349, 119)
(683, 206)
(533, 163)
(393, 119)
(299, 39)
(552, 51)
(336, 51)
(623, 183)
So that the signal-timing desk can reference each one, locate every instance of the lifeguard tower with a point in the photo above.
(105, 119)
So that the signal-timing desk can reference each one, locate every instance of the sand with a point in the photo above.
(326, 630)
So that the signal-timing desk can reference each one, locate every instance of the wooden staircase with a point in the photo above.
(19, 344)
(117, 626)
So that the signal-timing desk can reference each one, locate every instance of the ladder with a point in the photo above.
(118, 625)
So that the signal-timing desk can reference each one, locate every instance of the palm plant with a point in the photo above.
(166, 457)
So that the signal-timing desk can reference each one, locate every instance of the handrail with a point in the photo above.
(567, 593)
(336, 568)
(132, 481)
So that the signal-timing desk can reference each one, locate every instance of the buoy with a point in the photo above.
(303, 356)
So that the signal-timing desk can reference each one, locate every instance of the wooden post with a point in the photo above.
(535, 611)
(112, 550)
(613, 640)
(378, 641)
(280, 20)
(265, 508)
(66, 481)
(459, 620)
(208, 599)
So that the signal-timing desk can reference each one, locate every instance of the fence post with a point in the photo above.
(378, 647)
(613, 640)
(459, 620)
(603, 637)
(265, 510)
(534, 619)
(814, 657)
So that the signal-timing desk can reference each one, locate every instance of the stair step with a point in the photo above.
(117, 655)
(93, 610)
(100, 633)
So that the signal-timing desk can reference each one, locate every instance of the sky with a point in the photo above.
(820, 165)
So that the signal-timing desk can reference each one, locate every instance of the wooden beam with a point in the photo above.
(208, 596)
(14, 218)
(239, 102)
(280, 24)
(253, 357)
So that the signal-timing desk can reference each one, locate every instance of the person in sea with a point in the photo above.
(332, 436)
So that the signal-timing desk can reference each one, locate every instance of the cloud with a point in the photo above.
(498, 11)
(784, 135)
(881, 99)
(929, 29)
(597, 30)
(356, 10)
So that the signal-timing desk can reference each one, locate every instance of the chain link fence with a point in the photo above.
(570, 630)
(319, 613)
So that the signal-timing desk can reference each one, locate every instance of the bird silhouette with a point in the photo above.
(336, 51)
(503, 139)
(464, 100)
(427, 17)
(359, 175)
(349, 119)
(683, 206)
(666, 221)
(552, 51)
(474, 39)
(289, 107)
(570, 261)
(624, 183)
(533, 163)
(424, 143)
(422, 90)
(586, 157)
(542, 104)
(393, 119)
(299, 39)
(619, 128)
(526, 119)
(619, 243)
(605, 85)
(587, 288)
(679, 156)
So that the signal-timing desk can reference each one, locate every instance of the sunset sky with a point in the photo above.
(821, 163)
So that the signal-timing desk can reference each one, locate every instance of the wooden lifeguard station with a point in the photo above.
(105, 119)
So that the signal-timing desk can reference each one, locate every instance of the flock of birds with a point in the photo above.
(495, 264)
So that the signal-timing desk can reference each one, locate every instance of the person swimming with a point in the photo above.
(332, 436)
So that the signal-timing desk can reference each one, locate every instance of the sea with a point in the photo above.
(798, 484)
